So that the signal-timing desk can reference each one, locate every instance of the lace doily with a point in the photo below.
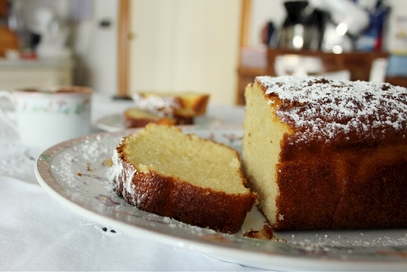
(16, 160)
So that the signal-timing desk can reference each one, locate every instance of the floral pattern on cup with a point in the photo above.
(47, 116)
(58, 106)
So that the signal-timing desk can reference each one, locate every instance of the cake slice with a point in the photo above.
(161, 170)
(135, 118)
(172, 104)
(325, 154)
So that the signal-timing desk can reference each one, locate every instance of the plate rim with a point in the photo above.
(241, 255)
(106, 128)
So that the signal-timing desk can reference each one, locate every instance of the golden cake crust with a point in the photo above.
(339, 113)
(360, 188)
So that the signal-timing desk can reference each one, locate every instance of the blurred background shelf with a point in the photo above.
(358, 64)
(21, 74)
(122, 46)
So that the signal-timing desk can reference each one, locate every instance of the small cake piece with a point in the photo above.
(326, 154)
(135, 118)
(172, 104)
(161, 170)
(183, 107)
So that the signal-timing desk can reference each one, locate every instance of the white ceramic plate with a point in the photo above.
(76, 173)
(115, 122)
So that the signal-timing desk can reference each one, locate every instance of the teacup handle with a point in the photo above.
(7, 95)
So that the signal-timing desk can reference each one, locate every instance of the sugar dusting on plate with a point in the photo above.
(90, 157)
(83, 164)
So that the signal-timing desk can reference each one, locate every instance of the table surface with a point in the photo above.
(39, 233)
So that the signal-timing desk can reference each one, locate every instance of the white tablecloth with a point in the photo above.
(39, 233)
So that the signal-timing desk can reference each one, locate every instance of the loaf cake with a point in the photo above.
(326, 154)
(135, 118)
(160, 169)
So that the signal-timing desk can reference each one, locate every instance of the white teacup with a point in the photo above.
(47, 116)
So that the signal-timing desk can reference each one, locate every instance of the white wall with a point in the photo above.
(179, 45)
(186, 45)
(96, 48)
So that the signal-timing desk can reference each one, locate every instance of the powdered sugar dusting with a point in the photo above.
(118, 172)
(158, 104)
(80, 165)
(326, 110)
(89, 157)
(348, 238)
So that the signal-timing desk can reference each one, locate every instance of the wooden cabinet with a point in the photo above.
(3, 8)
(397, 81)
